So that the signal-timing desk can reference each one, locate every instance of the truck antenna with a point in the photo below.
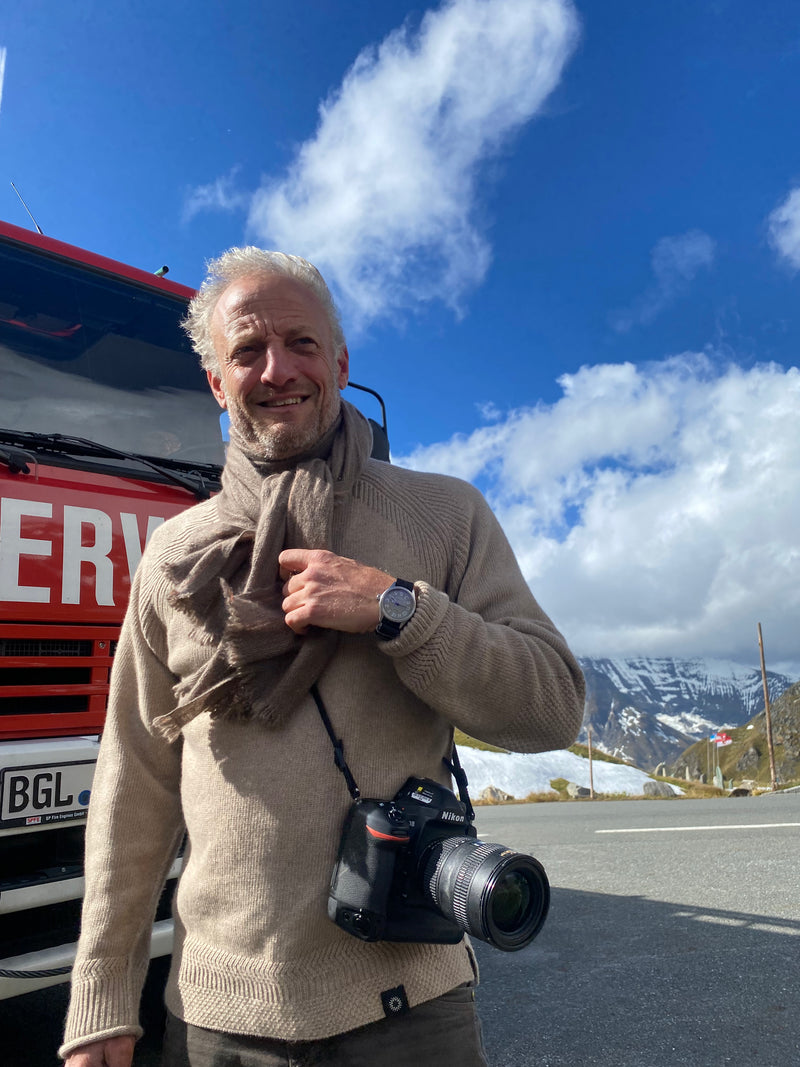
(33, 220)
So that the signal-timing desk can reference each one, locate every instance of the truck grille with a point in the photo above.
(14, 647)
(54, 679)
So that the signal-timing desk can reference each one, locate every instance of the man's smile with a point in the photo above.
(279, 402)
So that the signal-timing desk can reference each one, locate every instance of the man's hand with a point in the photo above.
(112, 1052)
(336, 593)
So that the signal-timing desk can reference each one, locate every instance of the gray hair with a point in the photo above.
(242, 263)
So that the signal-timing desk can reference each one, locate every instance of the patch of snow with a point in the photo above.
(522, 773)
(630, 720)
(691, 723)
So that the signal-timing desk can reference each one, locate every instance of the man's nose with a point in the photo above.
(279, 366)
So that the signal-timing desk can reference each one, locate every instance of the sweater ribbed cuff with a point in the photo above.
(104, 1003)
(432, 607)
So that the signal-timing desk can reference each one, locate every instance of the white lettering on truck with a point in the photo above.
(87, 541)
(13, 545)
(133, 540)
(96, 555)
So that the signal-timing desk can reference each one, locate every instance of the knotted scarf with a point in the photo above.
(259, 669)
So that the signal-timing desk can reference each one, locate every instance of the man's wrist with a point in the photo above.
(396, 606)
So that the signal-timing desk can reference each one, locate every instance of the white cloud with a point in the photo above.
(219, 195)
(784, 229)
(383, 197)
(654, 509)
(675, 262)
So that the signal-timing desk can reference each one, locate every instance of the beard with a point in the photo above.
(281, 441)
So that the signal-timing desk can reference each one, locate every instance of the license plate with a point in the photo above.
(57, 792)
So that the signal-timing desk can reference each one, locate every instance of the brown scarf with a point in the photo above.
(260, 669)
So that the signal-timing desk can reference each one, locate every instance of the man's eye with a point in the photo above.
(304, 342)
(244, 353)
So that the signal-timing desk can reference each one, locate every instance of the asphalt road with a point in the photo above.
(673, 938)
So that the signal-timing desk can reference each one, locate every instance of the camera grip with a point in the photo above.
(373, 834)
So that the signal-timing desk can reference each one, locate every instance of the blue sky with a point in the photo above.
(565, 240)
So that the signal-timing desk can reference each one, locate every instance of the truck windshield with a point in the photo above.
(94, 356)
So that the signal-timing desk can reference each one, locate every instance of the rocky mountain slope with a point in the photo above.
(747, 757)
(649, 711)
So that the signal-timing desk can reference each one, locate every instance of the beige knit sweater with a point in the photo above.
(254, 950)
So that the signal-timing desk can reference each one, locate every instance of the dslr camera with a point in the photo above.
(412, 869)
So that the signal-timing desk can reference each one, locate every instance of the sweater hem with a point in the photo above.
(291, 1006)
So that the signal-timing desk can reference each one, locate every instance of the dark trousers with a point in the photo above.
(444, 1032)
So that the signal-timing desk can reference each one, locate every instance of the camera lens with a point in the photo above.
(511, 901)
(490, 891)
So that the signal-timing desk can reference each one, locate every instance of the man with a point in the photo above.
(239, 607)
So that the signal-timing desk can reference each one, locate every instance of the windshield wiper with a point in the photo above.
(193, 480)
(15, 460)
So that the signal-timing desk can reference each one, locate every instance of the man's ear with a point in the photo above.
(343, 363)
(217, 388)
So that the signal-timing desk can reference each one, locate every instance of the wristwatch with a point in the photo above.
(397, 604)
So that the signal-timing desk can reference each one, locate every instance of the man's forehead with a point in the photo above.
(269, 295)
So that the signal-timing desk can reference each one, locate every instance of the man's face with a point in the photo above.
(279, 373)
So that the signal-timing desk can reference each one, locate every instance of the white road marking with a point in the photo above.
(680, 829)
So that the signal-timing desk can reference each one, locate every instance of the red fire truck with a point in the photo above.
(107, 428)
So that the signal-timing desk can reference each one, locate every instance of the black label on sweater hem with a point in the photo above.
(395, 1001)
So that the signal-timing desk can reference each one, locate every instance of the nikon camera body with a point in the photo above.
(412, 869)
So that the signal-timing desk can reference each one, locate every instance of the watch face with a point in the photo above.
(397, 604)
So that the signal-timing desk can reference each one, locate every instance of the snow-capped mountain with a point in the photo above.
(647, 711)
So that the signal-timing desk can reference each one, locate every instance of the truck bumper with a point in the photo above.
(51, 966)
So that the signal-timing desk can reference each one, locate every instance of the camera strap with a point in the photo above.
(453, 766)
(460, 776)
(338, 745)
